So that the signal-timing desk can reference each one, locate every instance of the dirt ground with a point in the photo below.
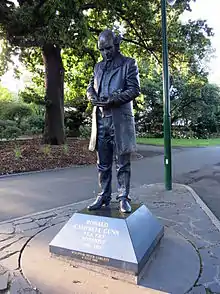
(30, 155)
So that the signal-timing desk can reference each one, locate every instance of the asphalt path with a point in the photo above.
(28, 193)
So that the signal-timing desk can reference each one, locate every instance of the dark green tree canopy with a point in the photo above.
(67, 23)
(36, 22)
(65, 33)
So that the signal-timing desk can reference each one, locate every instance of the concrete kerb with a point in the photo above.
(203, 206)
(41, 171)
(201, 203)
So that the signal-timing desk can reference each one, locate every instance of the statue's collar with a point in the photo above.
(115, 63)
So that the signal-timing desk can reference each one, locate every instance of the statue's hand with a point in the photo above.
(110, 102)
(94, 101)
(106, 102)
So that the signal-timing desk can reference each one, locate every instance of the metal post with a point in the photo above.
(166, 103)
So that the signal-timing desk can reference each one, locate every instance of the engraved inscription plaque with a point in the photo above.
(107, 237)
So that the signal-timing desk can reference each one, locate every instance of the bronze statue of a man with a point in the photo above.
(113, 87)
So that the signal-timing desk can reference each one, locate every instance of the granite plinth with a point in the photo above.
(109, 238)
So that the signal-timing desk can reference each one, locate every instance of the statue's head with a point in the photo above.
(108, 44)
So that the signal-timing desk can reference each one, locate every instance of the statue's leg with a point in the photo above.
(123, 169)
(105, 146)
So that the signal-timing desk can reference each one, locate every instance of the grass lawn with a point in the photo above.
(180, 142)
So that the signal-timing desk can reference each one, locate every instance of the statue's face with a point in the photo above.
(107, 47)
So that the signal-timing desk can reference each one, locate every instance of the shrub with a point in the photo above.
(157, 134)
(33, 125)
(7, 127)
(14, 111)
(25, 128)
(11, 132)
(74, 119)
(36, 121)
(85, 131)
(6, 123)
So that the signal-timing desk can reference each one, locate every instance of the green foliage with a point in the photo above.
(36, 124)
(33, 125)
(65, 149)
(32, 95)
(74, 26)
(74, 118)
(34, 23)
(5, 94)
(85, 131)
(10, 132)
(4, 124)
(197, 105)
(17, 153)
(5, 53)
(207, 118)
(195, 108)
(149, 107)
(14, 111)
(78, 70)
(46, 150)
(17, 119)
(141, 22)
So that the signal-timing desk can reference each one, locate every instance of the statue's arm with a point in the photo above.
(132, 85)
(91, 93)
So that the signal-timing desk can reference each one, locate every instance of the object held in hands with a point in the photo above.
(104, 102)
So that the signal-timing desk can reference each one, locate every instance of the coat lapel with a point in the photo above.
(112, 73)
(99, 76)
(117, 63)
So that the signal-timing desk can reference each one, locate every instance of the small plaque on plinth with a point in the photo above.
(109, 238)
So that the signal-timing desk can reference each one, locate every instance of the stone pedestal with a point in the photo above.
(110, 240)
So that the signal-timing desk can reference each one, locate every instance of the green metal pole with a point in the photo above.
(166, 102)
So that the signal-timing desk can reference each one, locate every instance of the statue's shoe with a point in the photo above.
(99, 202)
(124, 205)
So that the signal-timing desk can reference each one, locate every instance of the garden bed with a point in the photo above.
(30, 155)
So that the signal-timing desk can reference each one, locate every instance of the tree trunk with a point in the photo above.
(54, 97)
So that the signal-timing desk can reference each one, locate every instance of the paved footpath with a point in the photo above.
(187, 261)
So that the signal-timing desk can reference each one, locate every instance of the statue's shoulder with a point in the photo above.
(98, 65)
(128, 60)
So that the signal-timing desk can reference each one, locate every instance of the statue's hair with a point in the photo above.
(110, 34)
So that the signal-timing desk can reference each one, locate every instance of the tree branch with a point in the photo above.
(11, 3)
(138, 35)
(131, 41)
(23, 42)
(5, 11)
(183, 104)
(143, 46)
(98, 31)
(88, 6)
(22, 2)
(39, 5)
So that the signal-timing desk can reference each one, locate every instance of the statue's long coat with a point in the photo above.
(123, 79)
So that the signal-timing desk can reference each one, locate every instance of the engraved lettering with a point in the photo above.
(98, 224)
(111, 232)
(94, 233)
